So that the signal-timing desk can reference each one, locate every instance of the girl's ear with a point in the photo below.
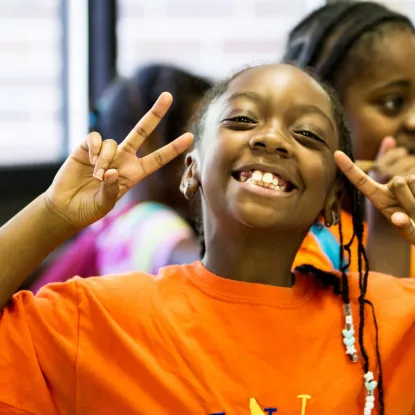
(332, 205)
(190, 180)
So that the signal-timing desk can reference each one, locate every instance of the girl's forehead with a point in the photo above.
(280, 82)
(390, 55)
(386, 61)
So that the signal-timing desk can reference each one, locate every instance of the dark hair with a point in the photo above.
(337, 40)
(340, 287)
(127, 100)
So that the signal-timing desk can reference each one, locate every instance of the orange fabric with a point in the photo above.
(189, 342)
(310, 252)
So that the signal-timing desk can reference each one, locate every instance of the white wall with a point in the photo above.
(30, 93)
(209, 36)
(212, 37)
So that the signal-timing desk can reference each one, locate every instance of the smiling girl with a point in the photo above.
(238, 332)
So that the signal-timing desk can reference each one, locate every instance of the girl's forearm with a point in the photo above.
(25, 241)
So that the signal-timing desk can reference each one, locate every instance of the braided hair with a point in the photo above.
(338, 40)
(326, 279)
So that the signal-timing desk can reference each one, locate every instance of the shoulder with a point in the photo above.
(382, 286)
(134, 289)
(393, 299)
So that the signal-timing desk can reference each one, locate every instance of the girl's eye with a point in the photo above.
(309, 134)
(241, 119)
(392, 104)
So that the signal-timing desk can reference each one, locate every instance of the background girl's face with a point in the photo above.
(272, 119)
(381, 102)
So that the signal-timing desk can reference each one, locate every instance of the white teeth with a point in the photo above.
(261, 183)
(257, 175)
(263, 179)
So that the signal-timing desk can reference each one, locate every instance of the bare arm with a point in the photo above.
(25, 241)
(93, 178)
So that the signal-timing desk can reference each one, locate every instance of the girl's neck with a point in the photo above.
(252, 256)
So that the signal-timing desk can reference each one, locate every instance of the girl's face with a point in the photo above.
(266, 155)
(381, 102)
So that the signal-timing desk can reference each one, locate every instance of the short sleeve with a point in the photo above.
(39, 341)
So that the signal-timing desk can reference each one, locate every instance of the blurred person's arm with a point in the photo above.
(387, 251)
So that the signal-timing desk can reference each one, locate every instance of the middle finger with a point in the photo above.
(147, 124)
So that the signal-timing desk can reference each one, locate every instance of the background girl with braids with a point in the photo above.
(238, 332)
(367, 53)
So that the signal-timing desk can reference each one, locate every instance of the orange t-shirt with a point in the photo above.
(190, 342)
(312, 251)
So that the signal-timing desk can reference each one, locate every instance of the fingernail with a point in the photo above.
(100, 174)
(94, 159)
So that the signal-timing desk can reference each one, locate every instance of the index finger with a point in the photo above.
(356, 176)
(147, 124)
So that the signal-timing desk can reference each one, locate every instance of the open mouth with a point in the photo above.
(264, 179)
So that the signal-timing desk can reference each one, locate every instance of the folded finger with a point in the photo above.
(404, 195)
(92, 144)
(106, 155)
(411, 183)
(109, 191)
(405, 225)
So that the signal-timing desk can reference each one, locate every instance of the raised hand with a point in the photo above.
(98, 173)
(395, 199)
(392, 161)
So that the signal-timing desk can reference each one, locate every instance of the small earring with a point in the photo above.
(334, 220)
(188, 192)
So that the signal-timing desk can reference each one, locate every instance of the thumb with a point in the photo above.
(107, 196)
(387, 144)
(405, 225)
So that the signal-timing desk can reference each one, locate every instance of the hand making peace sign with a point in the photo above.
(98, 173)
(395, 199)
